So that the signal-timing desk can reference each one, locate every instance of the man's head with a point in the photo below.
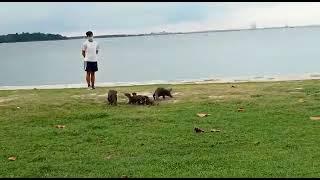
(89, 35)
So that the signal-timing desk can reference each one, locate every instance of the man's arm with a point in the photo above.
(98, 48)
(84, 47)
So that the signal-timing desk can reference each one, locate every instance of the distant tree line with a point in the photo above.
(25, 37)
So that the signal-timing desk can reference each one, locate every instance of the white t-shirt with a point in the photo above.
(90, 48)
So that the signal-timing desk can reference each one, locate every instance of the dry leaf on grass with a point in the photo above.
(108, 157)
(18, 107)
(203, 114)
(240, 109)
(215, 130)
(60, 126)
(12, 158)
(315, 117)
(301, 100)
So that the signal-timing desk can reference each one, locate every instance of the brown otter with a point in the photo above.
(162, 92)
(148, 101)
(112, 97)
(132, 98)
(138, 99)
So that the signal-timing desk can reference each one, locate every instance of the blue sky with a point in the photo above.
(75, 18)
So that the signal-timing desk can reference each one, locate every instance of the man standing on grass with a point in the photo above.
(90, 50)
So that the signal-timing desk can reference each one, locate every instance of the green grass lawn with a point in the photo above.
(273, 137)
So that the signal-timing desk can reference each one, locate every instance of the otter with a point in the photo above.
(148, 101)
(138, 99)
(162, 92)
(132, 99)
(112, 97)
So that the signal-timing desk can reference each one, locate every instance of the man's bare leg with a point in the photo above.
(88, 78)
(93, 78)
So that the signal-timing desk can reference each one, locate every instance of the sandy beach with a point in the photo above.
(238, 79)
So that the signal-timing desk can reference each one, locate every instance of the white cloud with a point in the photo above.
(141, 17)
(277, 14)
(242, 15)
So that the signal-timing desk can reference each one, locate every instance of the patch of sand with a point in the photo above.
(7, 99)
(144, 93)
(84, 96)
(314, 75)
(103, 95)
(216, 97)
(258, 77)
(75, 96)
(295, 92)
(177, 93)
(175, 101)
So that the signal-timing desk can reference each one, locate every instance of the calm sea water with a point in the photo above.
(166, 57)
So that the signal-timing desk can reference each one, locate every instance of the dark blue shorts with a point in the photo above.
(90, 66)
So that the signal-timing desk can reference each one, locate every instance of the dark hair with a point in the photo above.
(89, 33)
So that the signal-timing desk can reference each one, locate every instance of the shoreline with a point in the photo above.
(217, 80)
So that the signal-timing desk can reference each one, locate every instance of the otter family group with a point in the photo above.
(134, 98)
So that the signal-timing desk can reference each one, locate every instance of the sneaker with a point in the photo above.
(93, 87)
